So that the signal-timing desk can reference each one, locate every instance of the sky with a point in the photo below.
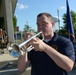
(27, 10)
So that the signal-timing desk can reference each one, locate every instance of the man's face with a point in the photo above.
(45, 25)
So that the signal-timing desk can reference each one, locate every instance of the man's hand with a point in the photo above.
(38, 44)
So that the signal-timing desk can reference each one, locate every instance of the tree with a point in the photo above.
(2, 24)
(63, 29)
(74, 19)
(14, 22)
(27, 28)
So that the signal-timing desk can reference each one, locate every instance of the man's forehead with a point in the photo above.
(42, 19)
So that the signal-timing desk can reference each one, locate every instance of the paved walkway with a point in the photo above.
(6, 58)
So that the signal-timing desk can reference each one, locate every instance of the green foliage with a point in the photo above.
(74, 19)
(27, 28)
(63, 29)
(14, 22)
(2, 24)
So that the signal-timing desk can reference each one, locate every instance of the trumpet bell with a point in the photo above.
(14, 50)
(14, 53)
(16, 47)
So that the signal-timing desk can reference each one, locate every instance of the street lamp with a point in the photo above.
(58, 15)
(58, 19)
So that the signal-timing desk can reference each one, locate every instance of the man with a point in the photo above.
(52, 56)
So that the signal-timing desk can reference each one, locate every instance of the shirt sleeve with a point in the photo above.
(68, 48)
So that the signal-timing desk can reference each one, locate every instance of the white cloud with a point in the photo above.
(16, 15)
(63, 7)
(21, 6)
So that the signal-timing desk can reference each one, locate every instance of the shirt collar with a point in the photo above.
(54, 38)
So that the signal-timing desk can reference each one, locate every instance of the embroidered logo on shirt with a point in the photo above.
(55, 47)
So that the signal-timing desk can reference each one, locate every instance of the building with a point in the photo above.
(55, 28)
(7, 9)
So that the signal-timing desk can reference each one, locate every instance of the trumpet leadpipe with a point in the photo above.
(17, 47)
(22, 44)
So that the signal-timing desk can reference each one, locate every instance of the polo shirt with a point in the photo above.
(42, 64)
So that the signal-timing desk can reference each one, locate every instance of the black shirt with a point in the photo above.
(42, 64)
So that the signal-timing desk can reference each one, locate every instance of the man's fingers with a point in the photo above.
(28, 35)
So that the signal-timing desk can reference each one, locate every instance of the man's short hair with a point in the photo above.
(47, 15)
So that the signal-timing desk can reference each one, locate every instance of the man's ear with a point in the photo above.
(52, 24)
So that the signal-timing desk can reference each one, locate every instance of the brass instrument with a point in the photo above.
(15, 50)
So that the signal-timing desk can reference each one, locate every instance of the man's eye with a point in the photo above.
(44, 23)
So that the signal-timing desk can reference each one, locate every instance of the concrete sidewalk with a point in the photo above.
(7, 57)
(8, 66)
(15, 72)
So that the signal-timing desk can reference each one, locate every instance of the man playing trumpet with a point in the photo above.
(52, 56)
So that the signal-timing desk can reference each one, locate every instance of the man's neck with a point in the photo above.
(49, 36)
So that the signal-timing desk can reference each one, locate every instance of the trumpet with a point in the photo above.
(15, 50)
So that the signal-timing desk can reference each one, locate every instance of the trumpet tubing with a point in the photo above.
(16, 48)
(25, 42)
